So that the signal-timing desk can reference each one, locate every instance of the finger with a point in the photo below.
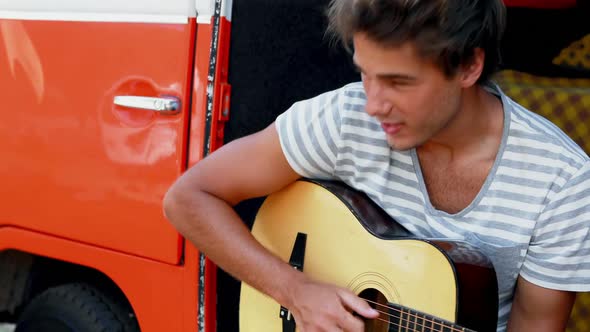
(358, 305)
(351, 323)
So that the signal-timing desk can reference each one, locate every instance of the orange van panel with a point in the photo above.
(159, 293)
(73, 164)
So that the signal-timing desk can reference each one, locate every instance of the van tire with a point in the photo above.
(75, 307)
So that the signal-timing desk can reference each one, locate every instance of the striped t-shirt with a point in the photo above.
(531, 216)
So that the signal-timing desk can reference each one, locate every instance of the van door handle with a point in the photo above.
(166, 106)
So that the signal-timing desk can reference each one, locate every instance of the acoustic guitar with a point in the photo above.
(338, 235)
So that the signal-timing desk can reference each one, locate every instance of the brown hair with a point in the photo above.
(446, 31)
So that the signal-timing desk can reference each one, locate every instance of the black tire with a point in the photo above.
(75, 307)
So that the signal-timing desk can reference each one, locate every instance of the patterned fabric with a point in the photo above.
(567, 103)
(580, 318)
(577, 55)
(530, 217)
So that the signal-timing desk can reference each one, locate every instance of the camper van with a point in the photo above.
(106, 103)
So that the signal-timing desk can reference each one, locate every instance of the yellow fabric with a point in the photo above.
(566, 102)
(580, 318)
(576, 55)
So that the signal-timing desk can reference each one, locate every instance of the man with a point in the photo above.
(428, 140)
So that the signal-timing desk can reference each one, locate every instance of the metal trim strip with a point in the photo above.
(206, 10)
(93, 17)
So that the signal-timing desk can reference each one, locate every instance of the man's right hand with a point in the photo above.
(319, 307)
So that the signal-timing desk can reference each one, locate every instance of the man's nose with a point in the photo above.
(377, 104)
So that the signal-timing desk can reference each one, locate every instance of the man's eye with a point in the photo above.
(396, 83)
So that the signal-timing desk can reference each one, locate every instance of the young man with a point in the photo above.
(433, 144)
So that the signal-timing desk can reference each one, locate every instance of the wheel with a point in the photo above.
(75, 307)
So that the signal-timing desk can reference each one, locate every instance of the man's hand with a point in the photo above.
(539, 309)
(318, 307)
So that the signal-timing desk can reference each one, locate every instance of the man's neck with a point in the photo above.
(474, 134)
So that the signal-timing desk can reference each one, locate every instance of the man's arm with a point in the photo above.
(200, 205)
(539, 309)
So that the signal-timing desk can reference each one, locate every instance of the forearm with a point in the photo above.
(538, 325)
(539, 309)
(213, 226)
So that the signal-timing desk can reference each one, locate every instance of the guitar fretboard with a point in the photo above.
(403, 319)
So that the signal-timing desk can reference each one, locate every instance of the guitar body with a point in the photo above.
(354, 244)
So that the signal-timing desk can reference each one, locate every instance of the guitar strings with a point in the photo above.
(413, 315)
(416, 324)
(405, 329)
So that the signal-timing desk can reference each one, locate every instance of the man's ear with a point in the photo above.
(471, 70)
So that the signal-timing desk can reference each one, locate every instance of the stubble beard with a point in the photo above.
(399, 146)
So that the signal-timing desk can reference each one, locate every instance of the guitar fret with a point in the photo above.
(422, 322)
(419, 322)
(438, 324)
(403, 321)
(394, 319)
(428, 324)
(412, 320)
(444, 326)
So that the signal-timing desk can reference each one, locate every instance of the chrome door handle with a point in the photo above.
(167, 105)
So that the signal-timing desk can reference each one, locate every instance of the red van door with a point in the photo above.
(93, 123)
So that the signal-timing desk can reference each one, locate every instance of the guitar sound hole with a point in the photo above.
(377, 301)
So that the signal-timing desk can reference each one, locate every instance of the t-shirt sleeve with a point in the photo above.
(309, 134)
(559, 252)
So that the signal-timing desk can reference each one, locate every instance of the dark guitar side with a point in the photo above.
(477, 296)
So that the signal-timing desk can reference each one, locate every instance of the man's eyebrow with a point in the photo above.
(389, 76)
(397, 77)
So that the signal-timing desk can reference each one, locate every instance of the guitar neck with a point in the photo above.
(403, 319)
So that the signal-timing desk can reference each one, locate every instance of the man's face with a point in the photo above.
(410, 96)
